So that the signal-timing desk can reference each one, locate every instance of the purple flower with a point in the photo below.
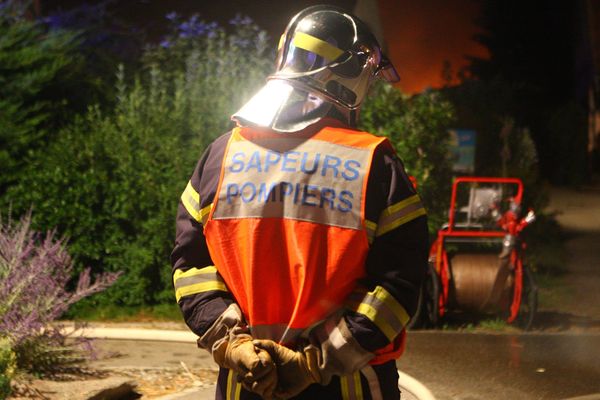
(34, 272)
(240, 20)
(172, 16)
(194, 28)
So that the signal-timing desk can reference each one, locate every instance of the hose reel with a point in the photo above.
(481, 282)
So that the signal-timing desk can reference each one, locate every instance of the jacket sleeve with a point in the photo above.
(380, 308)
(200, 291)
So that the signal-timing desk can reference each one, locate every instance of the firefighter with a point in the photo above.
(301, 243)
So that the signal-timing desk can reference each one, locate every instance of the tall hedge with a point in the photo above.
(111, 180)
(33, 63)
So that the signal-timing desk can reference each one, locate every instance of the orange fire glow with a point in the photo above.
(422, 35)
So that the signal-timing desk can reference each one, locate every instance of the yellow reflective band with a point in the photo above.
(382, 317)
(281, 40)
(370, 225)
(401, 221)
(229, 383)
(392, 304)
(400, 205)
(204, 213)
(317, 46)
(371, 228)
(371, 313)
(200, 288)
(233, 387)
(191, 201)
(344, 387)
(358, 386)
(351, 387)
(238, 390)
(193, 272)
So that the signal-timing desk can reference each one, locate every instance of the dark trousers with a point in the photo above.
(372, 383)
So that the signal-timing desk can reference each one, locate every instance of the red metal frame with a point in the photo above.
(509, 224)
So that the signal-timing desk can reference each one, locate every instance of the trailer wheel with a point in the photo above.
(427, 314)
(529, 300)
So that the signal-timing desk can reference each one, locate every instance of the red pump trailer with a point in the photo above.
(476, 261)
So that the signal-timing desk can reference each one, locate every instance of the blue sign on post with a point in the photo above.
(462, 149)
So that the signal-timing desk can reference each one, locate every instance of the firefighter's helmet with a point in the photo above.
(326, 57)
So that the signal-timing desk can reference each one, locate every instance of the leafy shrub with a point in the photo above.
(34, 273)
(111, 180)
(33, 63)
(418, 128)
(7, 366)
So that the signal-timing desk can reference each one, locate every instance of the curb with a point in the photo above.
(133, 334)
(409, 384)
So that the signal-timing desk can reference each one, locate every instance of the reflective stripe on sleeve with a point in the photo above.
(197, 280)
(204, 212)
(371, 228)
(384, 311)
(399, 214)
(191, 201)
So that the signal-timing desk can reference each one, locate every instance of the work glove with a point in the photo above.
(229, 342)
(254, 366)
(296, 370)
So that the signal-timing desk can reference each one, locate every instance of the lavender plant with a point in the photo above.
(35, 271)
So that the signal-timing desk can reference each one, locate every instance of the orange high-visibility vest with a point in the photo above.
(287, 227)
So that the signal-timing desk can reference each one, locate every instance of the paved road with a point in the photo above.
(458, 366)
(578, 212)
(503, 366)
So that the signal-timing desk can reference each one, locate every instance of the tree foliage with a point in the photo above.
(418, 129)
(33, 64)
(110, 181)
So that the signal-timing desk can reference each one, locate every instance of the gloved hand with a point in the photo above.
(254, 366)
(295, 370)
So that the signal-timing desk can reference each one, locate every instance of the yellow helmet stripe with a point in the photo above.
(317, 46)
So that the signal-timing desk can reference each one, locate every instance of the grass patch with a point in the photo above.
(113, 313)
(496, 324)
(473, 322)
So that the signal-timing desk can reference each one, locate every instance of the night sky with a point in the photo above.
(420, 35)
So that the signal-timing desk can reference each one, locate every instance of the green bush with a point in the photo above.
(33, 65)
(418, 128)
(111, 180)
(7, 367)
